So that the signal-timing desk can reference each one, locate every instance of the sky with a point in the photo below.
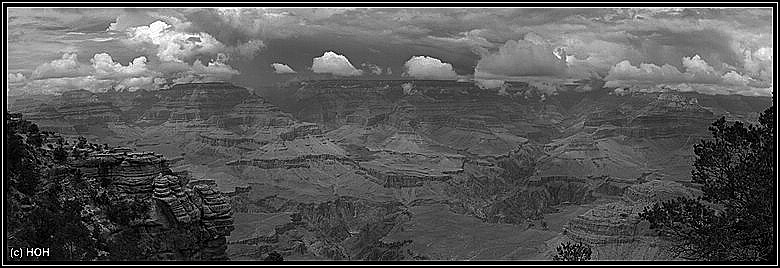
(711, 51)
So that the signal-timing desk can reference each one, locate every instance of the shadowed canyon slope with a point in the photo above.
(339, 169)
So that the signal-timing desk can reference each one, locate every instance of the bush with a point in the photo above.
(274, 256)
(572, 252)
(735, 219)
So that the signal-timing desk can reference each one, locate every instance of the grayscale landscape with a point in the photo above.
(298, 134)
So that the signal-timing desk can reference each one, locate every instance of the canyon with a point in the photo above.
(390, 169)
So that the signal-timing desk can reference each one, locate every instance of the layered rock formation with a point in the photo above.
(73, 112)
(616, 225)
(397, 154)
(199, 209)
(134, 205)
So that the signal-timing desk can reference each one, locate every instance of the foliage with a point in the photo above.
(51, 205)
(572, 252)
(735, 218)
(274, 256)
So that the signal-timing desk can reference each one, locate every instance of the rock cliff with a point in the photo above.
(134, 206)
(615, 229)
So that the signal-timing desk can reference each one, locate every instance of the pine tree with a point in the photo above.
(735, 218)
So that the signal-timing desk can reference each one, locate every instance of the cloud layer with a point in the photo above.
(698, 75)
(489, 44)
(103, 73)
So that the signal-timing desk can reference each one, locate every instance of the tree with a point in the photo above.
(572, 252)
(82, 143)
(734, 220)
(274, 256)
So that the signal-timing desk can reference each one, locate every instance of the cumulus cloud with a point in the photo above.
(734, 78)
(172, 45)
(645, 72)
(424, 67)
(105, 73)
(280, 68)
(67, 66)
(699, 76)
(15, 78)
(697, 70)
(531, 56)
(136, 83)
(332, 63)
(215, 71)
(105, 66)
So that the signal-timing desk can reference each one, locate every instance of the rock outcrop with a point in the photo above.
(617, 224)
(134, 206)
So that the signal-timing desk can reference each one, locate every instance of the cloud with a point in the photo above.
(215, 71)
(136, 83)
(15, 78)
(531, 56)
(171, 45)
(758, 63)
(178, 72)
(105, 66)
(699, 76)
(62, 84)
(734, 78)
(697, 70)
(335, 64)
(280, 68)
(67, 66)
(645, 72)
(249, 49)
(594, 40)
(104, 73)
(129, 20)
(424, 67)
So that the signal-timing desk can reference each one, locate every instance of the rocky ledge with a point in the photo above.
(611, 226)
(177, 219)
